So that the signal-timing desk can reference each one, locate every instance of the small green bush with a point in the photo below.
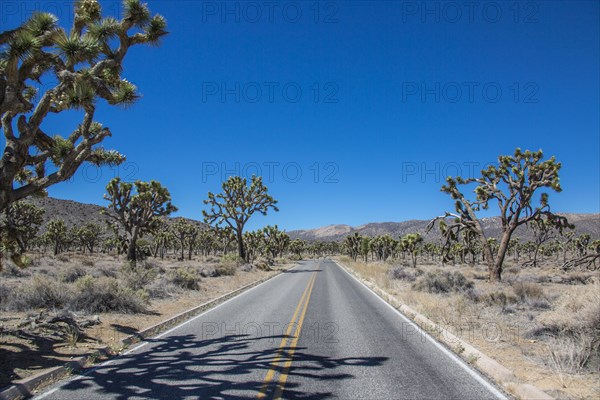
(138, 275)
(185, 278)
(442, 282)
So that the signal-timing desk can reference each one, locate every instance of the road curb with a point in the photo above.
(501, 375)
(26, 387)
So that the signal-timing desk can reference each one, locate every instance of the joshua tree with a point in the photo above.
(581, 243)
(56, 232)
(543, 231)
(186, 233)
(78, 67)
(236, 204)
(137, 213)
(353, 244)
(19, 226)
(412, 243)
(162, 237)
(253, 243)
(512, 184)
(89, 236)
(365, 247)
(224, 235)
(206, 241)
(297, 246)
(276, 241)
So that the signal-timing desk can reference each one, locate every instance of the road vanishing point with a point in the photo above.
(312, 332)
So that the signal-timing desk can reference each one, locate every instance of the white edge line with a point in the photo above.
(441, 347)
(145, 341)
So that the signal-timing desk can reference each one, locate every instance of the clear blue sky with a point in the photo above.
(406, 95)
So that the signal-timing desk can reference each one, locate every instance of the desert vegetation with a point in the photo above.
(540, 296)
(66, 288)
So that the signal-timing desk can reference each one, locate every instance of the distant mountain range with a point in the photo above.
(584, 223)
(74, 213)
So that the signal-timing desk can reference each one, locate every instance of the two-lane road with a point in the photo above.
(312, 332)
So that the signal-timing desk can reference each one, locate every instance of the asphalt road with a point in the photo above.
(312, 332)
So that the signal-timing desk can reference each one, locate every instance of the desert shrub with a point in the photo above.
(573, 330)
(138, 275)
(41, 292)
(402, 274)
(442, 282)
(87, 262)
(225, 270)
(72, 273)
(185, 278)
(473, 295)
(161, 289)
(5, 293)
(498, 298)
(95, 295)
(526, 291)
(263, 264)
(572, 355)
(63, 258)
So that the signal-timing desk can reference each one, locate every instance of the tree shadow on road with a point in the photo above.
(298, 271)
(230, 366)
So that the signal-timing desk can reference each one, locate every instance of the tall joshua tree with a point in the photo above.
(137, 213)
(77, 67)
(512, 185)
(236, 204)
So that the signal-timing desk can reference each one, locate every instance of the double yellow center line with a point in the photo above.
(299, 314)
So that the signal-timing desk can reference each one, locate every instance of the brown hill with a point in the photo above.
(75, 213)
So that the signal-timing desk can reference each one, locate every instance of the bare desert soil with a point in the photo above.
(542, 323)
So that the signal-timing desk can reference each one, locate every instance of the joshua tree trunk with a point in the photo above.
(131, 249)
(240, 244)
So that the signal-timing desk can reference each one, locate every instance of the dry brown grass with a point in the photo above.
(541, 323)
